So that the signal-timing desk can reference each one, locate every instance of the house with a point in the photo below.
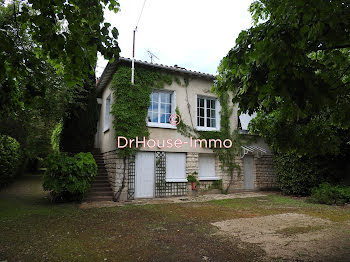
(159, 171)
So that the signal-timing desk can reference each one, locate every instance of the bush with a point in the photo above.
(10, 155)
(330, 194)
(295, 175)
(68, 178)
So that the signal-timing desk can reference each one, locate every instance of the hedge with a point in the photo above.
(10, 155)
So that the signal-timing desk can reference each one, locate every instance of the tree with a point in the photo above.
(53, 45)
(68, 34)
(293, 68)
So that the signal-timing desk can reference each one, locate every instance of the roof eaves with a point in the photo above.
(110, 69)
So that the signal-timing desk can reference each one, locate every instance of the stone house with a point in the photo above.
(159, 171)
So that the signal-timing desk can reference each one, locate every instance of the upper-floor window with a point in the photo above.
(161, 107)
(207, 113)
(107, 113)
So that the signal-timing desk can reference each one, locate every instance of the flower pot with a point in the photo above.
(194, 185)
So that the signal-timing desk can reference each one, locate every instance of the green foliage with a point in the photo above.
(329, 194)
(10, 155)
(131, 102)
(294, 69)
(226, 156)
(64, 34)
(55, 138)
(297, 175)
(69, 178)
(217, 184)
(192, 178)
(80, 124)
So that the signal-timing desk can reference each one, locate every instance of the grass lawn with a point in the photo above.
(33, 229)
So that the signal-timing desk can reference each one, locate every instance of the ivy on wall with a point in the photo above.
(130, 106)
(131, 102)
(227, 156)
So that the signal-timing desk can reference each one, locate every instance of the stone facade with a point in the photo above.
(191, 163)
(263, 173)
(115, 169)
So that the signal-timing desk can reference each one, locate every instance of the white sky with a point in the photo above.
(195, 34)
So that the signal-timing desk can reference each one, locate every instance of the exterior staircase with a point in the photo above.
(100, 189)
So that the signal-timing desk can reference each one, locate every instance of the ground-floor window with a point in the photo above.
(176, 167)
(207, 167)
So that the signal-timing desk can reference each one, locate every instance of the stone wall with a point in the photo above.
(192, 163)
(115, 169)
(264, 172)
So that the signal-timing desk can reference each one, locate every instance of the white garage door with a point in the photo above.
(144, 175)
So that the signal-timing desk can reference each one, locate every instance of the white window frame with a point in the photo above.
(173, 106)
(107, 116)
(217, 114)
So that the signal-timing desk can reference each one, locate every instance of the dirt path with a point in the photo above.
(292, 236)
(168, 200)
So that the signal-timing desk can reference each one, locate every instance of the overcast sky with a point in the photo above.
(195, 34)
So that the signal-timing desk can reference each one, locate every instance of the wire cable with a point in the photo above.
(143, 6)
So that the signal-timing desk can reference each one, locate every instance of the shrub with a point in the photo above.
(295, 175)
(191, 178)
(330, 194)
(217, 184)
(68, 178)
(10, 155)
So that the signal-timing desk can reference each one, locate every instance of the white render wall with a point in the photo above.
(185, 101)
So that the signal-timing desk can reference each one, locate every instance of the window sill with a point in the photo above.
(176, 180)
(202, 128)
(161, 125)
(208, 178)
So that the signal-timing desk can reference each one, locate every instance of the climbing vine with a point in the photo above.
(227, 156)
(131, 102)
(130, 106)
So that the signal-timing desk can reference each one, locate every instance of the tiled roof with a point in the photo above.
(112, 67)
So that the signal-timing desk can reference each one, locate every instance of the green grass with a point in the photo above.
(289, 231)
(33, 229)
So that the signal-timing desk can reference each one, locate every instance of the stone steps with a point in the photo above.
(100, 189)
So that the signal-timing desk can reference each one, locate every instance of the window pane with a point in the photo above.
(154, 96)
(201, 112)
(201, 121)
(165, 97)
(201, 102)
(167, 116)
(208, 113)
(163, 118)
(165, 108)
(213, 104)
(208, 103)
(212, 114)
(154, 107)
(212, 122)
(155, 117)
